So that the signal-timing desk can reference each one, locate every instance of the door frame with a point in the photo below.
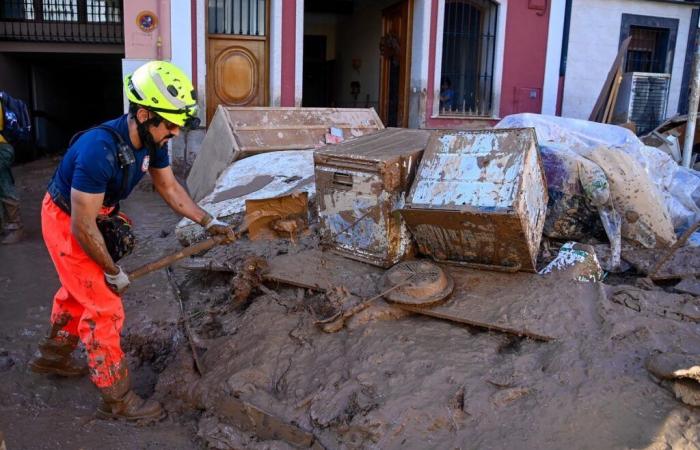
(405, 72)
(207, 71)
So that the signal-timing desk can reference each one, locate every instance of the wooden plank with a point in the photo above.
(607, 85)
(319, 270)
(612, 99)
(542, 308)
(324, 127)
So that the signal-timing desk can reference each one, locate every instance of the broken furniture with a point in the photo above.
(479, 199)
(607, 99)
(261, 176)
(360, 184)
(238, 132)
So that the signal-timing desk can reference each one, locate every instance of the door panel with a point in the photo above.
(395, 64)
(237, 73)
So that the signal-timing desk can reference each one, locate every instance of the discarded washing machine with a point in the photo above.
(360, 185)
(479, 199)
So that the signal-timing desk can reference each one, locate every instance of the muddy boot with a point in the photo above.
(120, 402)
(13, 230)
(55, 355)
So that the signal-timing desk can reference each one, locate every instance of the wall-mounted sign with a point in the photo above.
(147, 21)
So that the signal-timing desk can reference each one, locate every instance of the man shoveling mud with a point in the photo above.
(85, 234)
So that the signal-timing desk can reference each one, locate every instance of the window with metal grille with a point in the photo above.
(648, 50)
(242, 17)
(94, 11)
(83, 21)
(468, 52)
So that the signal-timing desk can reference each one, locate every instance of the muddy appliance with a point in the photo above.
(479, 199)
(360, 185)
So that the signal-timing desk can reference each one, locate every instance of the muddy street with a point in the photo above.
(389, 379)
(38, 412)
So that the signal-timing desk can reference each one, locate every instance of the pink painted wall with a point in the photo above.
(525, 56)
(139, 44)
(289, 26)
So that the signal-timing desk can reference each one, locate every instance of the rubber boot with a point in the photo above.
(121, 403)
(13, 222)
(55, 355)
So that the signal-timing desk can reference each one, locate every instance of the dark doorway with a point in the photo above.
(68, 93)
(318, 73)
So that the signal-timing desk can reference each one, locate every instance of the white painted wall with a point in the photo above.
(299, 55)
(181, 35)
(276, 53)
(553, 58)
(593, 43)
(201, 37)
(498, 58)
(420, 52)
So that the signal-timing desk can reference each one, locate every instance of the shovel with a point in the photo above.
(257, 218)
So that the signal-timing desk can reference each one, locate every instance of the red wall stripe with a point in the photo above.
(289, 30)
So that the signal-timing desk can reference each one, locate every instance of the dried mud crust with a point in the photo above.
(412, 382)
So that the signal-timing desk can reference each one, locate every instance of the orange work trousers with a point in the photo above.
(84, 305)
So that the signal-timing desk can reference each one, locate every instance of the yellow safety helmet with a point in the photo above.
(163, 88)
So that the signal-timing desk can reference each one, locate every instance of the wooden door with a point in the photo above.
(395, 50)
(237, 53)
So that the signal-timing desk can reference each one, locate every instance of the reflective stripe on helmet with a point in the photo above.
(176, 102)
(135, 89)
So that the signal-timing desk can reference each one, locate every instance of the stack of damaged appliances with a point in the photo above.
(461, 212)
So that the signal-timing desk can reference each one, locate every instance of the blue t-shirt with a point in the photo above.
(91, 164)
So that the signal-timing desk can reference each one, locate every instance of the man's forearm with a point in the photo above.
(180, 201)
(92, 242)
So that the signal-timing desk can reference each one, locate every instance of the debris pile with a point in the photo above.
(449, 282)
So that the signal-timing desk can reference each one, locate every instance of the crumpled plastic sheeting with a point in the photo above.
(678, 186)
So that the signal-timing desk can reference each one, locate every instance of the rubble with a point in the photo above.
(454, 357)
(262, 176)
(479, 198)
(575, 262)
(360, 186)
(677, 189)
(239, 132)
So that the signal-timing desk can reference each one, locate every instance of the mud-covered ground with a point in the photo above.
(37, 412)
(388, 380)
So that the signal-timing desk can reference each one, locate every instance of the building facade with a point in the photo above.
(419, 63)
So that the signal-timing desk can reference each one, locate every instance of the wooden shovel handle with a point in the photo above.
(193, 249)
(172, 258)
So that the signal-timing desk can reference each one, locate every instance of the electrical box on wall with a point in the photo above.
(147, 29)
(527, 99)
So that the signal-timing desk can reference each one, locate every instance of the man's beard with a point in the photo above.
(146, 137)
